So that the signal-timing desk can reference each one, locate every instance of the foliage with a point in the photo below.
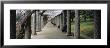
(85, 14)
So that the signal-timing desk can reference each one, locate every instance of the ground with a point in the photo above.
(86, 29)
(50, 32)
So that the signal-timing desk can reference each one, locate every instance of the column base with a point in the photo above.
(38, 30)
(69, 34)
(35, 33)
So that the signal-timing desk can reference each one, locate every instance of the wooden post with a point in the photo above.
(68, 23)
(77, 25)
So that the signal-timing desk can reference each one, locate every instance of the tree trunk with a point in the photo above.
(97, 23)
(77, 25)
(68, 23)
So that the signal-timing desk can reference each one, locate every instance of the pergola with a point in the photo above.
(58, 17)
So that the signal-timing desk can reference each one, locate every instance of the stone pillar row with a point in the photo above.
(63, 21)
(36, 22)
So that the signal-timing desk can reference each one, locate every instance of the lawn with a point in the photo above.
(86, 28)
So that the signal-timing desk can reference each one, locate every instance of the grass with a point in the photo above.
(86, 28)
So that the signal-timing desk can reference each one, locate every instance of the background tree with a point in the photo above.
(85, 14)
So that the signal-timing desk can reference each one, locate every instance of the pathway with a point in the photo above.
(50, 32)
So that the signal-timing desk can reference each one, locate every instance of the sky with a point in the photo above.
(53, 13)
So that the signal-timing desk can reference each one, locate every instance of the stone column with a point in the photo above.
(57, 20)
(54, 20)
(77, 25)
(64, 28)
(63, 18)
(27, 35)
(61, 22)
(34, 24)
(68, 23)
(39, 22)
(28, 28)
